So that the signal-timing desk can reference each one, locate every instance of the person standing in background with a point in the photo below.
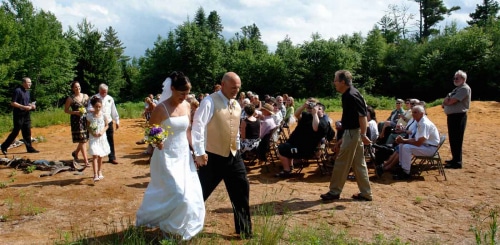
(73, 106)
(456, 105)
(21, 101)
(110, 112)
(350, 147)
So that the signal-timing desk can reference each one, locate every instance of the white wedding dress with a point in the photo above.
(173, 199)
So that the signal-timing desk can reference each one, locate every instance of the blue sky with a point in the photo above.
(140, 22)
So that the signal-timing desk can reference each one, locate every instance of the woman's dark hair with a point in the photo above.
(370, 110)
(179, 81)
(94, 100)
(73, 84)
(249, 109)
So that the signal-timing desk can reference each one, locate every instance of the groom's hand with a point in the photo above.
(201, 160)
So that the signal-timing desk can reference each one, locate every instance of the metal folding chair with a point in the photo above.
(422, 163)
(268, 151)
(320, 157)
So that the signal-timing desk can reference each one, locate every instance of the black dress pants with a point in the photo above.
(109, 135)
(232, 170)
(456, 129)
(22, 122)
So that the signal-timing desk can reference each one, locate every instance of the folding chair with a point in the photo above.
(320, 157)
(425, 162)
(250, 157)
(268, 150)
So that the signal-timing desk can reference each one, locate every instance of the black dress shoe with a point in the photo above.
(449, 161)
(4, 152)
(453, 165)
(33, 150)
(401, 176)
(329, 196)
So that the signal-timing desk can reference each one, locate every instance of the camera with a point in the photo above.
(311, 104)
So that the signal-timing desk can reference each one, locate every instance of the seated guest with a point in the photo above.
(402, 129)
(243, 113)
(150, 106)
(267, 123)
(200, 97)
(194, 106)
(241, 97)
(304, 140)
(289, 117)
(249, 130)
(277, 116)
(372, 124)
(404, 118)
(424, 143)
(280, 102)
(255, 101)
(386, 126)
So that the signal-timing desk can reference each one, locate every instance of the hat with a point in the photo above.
(400, 101)
(268, 107)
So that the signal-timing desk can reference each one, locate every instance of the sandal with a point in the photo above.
(359, 197)
(87, 164)
(75, 157)
(101, 176)
(96, 178)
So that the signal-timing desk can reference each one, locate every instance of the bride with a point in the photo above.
(173, 199)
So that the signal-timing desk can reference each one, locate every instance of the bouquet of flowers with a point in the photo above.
(155, 134)
(93, 126)
(82, 110)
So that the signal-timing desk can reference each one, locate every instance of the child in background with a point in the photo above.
(98, 143)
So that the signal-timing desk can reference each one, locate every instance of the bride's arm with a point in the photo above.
(157, 116)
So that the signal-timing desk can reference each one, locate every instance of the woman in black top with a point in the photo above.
(249, 130)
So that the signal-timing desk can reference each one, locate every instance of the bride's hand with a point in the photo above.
(160, 146)
(201, 160)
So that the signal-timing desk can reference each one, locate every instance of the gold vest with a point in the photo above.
(223, 127)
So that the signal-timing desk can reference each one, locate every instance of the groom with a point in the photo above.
(215, 138)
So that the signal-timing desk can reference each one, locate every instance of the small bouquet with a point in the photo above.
(82, 110)
(155, 134)
(93, 126)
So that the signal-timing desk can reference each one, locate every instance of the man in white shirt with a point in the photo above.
(424, 143)
(110, 112)
(215, 138)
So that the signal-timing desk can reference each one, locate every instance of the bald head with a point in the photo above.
(231, 84)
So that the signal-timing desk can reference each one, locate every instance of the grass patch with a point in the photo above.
(485, 226)
(272, 224)
(22, 205)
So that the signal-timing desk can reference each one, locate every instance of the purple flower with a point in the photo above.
(155, 131)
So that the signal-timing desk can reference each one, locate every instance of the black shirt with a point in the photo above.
(353, 107)
(252, 129)
(304, 137)
(22, 97)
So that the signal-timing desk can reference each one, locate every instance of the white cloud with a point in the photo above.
(139, 22)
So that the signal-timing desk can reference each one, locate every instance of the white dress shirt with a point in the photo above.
(108, 108)
(202, 116)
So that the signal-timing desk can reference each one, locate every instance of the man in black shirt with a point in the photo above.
(350, 147)
(21, 102)
(302, 143)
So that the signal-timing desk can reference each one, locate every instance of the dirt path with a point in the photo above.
(423, 210)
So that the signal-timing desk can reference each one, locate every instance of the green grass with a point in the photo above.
(56, 116)
(272, 224)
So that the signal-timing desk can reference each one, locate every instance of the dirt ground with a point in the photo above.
(426, 209)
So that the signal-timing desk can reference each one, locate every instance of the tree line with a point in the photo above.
(393, 59)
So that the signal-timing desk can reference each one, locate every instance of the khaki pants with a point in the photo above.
(351, 154)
